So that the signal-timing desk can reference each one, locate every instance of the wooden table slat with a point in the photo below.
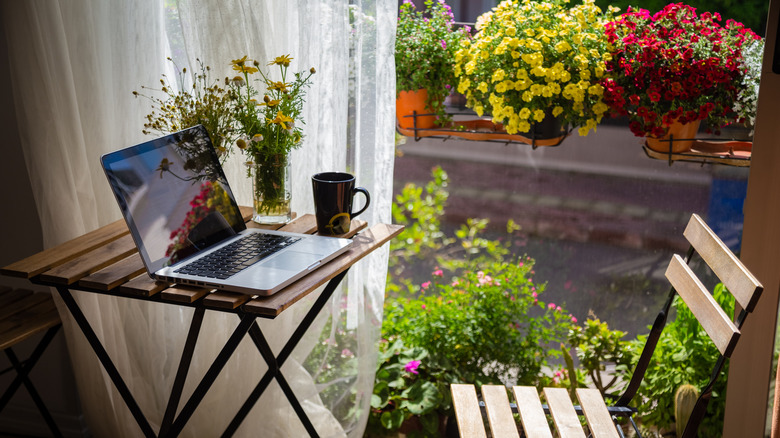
(112, 276)
(225, 300)
(499, 414)
(564, 416)
(57, 255)
(79, 267)
(143, 286)
(532, 416)
(364, 243)
(184, 294)
(246, 212)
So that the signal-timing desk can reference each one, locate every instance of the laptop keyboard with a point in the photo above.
(237, 256)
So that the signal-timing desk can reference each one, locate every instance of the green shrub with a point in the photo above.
(489, 325)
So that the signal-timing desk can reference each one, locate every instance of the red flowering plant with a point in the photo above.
(674, 65)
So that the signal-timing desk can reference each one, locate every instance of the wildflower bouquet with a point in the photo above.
(535, 59)
(206, 102)
(675, 66)
(269, 127)
(424, 49)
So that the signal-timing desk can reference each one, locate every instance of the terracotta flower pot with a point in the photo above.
(685, 132)
(409, 103)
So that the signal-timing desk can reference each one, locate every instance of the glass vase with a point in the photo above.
(271, 192)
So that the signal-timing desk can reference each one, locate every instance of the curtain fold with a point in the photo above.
(74, 66)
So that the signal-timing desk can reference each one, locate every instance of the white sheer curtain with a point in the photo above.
(74, 65)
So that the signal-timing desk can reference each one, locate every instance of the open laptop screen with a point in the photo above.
(174, 196)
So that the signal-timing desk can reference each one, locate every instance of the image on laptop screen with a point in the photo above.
(175, 196)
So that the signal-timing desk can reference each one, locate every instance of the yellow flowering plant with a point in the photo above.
(531, 60)
(269, 123)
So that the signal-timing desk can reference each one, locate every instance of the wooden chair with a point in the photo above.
(599, 417)
(24, 314)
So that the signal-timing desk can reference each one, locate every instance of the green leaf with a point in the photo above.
(421, 398)
(392, 420)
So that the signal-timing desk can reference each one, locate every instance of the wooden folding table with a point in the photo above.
(105, 261)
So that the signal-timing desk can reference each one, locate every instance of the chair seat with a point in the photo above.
(533, 420)
(24, 314)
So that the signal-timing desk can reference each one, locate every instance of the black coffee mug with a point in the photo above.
(333, 194)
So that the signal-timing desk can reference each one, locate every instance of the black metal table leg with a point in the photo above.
(275, 362)
(181, 373)
(211, 375)
(105, 359)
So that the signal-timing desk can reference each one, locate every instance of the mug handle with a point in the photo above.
(368, 199)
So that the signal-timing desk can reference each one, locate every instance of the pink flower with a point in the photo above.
(573, 319)
(438, 273)
(534, 294)
(426, 285)
(551, 306)
(423, 306)
(411, 366)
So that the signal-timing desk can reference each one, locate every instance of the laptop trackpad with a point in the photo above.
(292, 260)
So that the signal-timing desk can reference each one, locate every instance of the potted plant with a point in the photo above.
(674, 69)
(270, 127)
(424, 46)
(747, 97)
(537, 62)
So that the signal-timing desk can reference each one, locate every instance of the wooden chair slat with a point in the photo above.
(9, 296)
(27, 322)
(532, 416)
(711, 316)
(729, 269)
(596, 413)
(498, 411)
(112, 276)
(79, 267)
(37, 323)
(143, 286)
(225, 300)
(184, 294)
(363, 244)
(27, 301)
(467, 412)
(57, 255)
(564, 416)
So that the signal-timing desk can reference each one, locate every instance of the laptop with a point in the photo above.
(187, 226)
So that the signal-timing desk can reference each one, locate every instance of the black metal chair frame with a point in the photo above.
(23, 369)
(621, 407)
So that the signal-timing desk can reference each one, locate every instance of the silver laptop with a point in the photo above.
(187, 226)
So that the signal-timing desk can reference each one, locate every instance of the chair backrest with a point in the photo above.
(724, 332)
